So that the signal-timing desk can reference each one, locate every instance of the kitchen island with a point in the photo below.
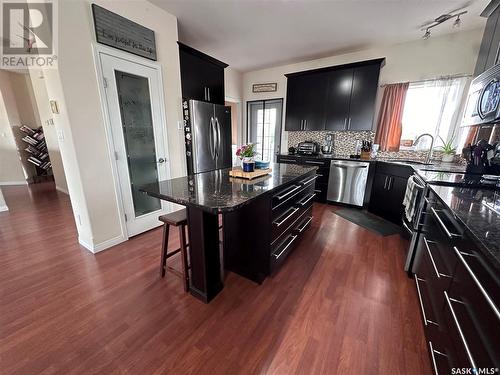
(262, 220)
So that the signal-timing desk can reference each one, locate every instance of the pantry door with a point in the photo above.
(133, 99)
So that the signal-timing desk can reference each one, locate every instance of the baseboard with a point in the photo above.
(8, 183)
(95, 248)
(62, 190)
(4, 208)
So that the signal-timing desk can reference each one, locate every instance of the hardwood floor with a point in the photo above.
(341, 304)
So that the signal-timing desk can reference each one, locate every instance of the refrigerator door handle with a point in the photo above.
(213, 138)
(218, 137)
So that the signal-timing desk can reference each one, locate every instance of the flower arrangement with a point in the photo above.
(246, 151)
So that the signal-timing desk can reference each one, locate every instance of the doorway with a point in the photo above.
(133, 102)
(264, 126)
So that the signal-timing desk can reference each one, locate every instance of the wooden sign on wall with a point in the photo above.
(116, 31)
(264, 87)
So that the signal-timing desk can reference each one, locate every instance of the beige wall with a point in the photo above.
(36, 81)
(454, 53)
(11, 170)
(80, 122)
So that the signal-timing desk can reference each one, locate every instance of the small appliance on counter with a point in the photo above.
(308, 148)
(327, 148)
(482, 158)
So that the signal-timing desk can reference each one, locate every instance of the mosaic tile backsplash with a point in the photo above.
(345, 144)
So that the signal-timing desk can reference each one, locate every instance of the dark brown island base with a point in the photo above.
(262, 221)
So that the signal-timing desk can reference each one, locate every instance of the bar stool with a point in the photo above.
(176, 219)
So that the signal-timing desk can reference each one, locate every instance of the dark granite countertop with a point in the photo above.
(481, 222)
(216, 191)
(434, 166)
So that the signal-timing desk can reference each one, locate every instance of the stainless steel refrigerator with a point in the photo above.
(207, 130)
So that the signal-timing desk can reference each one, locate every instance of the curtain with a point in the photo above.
(389, 127)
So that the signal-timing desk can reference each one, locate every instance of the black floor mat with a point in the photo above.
(369, 221)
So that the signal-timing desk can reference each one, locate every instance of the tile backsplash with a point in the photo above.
(345, 144)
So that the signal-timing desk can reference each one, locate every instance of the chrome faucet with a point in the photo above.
(429, 154)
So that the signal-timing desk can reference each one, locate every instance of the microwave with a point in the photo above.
(483, 101)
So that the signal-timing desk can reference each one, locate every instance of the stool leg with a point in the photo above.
(164, 248)
(185, 271)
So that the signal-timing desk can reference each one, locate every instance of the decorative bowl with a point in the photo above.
(259, 164)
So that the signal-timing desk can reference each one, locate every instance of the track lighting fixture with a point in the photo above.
(439, 20)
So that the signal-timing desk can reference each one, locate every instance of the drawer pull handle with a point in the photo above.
(303, 203)
(314, 162)
(290, 160)
(438, 274)
(294, 210)
(319, 175)
(459, 328)
(286, 247)
(426, 321)
(309, 180)
(443, 226)
(317, 191)
(433, 351)
(473, 276)
(280, 197)
(301, 229)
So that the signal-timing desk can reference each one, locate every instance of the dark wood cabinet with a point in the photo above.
(339, 99)
(458, 292)
(363, 96)
(490, 44)
(202, 76)
(306, 102)
(322, 173)
(388, 190)
(334, 98)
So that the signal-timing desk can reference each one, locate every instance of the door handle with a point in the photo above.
(205, 93)
(213, 140)
(208, 93)
(345, 123)
(305, 124)
(217, 151)
(385, 182)
(161, 160)
(349, 124)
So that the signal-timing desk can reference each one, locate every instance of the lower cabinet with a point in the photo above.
(322, 173)
(388, 191)
(458, 294)
(282, 219)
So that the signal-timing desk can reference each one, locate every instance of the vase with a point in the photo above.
(248, 164)
(447, 158)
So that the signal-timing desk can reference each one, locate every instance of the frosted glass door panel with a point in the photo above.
(138, 133)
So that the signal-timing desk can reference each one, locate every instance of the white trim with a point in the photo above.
(9, 183)
(62, 190)
(4, 208)
(103, 245)
(99, 49)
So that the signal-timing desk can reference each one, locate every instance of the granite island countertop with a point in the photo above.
(217, 192)
(480, 221)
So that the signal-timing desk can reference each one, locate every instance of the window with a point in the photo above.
(264, 127)
(432, 107)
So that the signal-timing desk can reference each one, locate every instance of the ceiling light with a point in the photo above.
(427, 34)
(458, 22)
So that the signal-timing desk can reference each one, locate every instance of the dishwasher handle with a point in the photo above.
(347, 164)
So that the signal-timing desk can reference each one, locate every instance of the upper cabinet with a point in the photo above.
(335, 98)
(202, 76)
(490, 44)
(305, 102)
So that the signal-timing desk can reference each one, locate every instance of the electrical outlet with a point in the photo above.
(60, 135)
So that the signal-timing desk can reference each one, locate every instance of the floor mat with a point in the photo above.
(369, 221)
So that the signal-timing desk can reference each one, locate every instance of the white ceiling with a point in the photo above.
(252, 34)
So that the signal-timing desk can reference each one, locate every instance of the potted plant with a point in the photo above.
(247, 155)
(448, 150)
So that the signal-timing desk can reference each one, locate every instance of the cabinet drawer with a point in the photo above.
(316, 162)
(288, 159)
(285, 220)
(285, 195)
(283, 245)
(394, 169)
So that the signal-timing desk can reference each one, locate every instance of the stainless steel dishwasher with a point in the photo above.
(347, 182)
